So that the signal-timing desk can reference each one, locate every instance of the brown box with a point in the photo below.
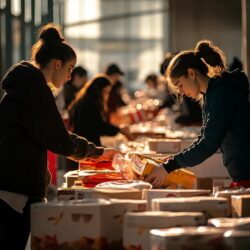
(240, 205)
(204, 183)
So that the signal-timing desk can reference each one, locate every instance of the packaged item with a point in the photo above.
(212, 207)
(230, 192)
(95, 164)
(230, 223)
(237, 239)
(137, 226)
(240, 205)
(149, 195)
(164, 145)
(87, 224)
(205, 238)
(127, 184)
(92, 178)
(66, 194)
(132, 205)
(134, 166)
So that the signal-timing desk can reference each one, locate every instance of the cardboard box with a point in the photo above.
(204, 183)
(206, 238)
(240, 205)
(230, 223)
(164, 145)
(229, 193)
(66, 194)
(132, 205)
(137, 225)
(210, 206)
(151, 194)
(77, 225)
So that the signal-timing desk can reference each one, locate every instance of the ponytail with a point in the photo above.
(212, 55)
(51, 45)
(207, 58)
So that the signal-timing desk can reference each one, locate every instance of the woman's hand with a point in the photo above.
(157, 177)
(108, 154)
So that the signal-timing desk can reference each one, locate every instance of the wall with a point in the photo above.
(219, 21)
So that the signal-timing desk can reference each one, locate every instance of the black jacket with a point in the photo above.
(226, 125)
(30, 125)
(88, 121)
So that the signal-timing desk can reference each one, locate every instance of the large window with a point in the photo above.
(127, 32)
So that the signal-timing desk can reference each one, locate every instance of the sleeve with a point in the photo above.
(43, 122)
(221, 113)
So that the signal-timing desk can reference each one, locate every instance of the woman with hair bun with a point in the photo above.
(30, 125)
(201, 74)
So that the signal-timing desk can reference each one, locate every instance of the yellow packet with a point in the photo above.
(180, 178)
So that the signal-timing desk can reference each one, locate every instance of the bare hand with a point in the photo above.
(157, 177)
(108, 154)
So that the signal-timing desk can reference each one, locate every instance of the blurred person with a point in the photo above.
(30, 125)
(87, 111)
(117, 92)
(79, 77)
(155, 87)
(201, 74)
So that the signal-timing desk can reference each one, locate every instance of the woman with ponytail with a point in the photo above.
(30, 125)
(202, 75)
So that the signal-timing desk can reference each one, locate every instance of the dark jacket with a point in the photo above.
(30, 125)
(88, 121)
(226, 125)
(69, 92)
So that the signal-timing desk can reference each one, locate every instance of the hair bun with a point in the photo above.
(203, 47)
(51, 34)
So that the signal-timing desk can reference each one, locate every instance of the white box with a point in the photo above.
(137, 226)
(132, 205)
(151, 194)
(76, 225)
(206, 238)
(210, 206)
(164, 145)
(66, 194)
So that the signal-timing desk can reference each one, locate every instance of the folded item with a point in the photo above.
(134, 184)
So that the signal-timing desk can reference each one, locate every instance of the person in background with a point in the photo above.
(79, 77)
(30, 125)
(201, 74)
(155, 88)
(117, 91)
(87, 112)
(190, 110)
